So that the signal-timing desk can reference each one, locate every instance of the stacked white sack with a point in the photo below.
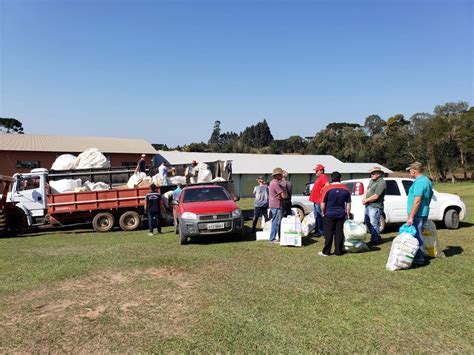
(402, 252)
(64, 162)
(91, 158)
(355, 234)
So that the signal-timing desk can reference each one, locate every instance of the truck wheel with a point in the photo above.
(451, 219)
(382, 224)
(103, 222)
(129, 221)
(182, 238)
(3, 223)
(299, 212)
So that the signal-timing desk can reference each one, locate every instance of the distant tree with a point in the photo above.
(257, 136)
(374, 125)
(215, 140)
(160, 147)
(10, 125)
(196, 147)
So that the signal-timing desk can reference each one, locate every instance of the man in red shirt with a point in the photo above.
(316, 195)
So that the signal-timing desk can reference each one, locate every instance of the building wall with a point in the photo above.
(9, 160)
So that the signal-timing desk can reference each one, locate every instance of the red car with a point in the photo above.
(206, 209)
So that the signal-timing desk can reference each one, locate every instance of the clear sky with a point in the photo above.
(166, 70)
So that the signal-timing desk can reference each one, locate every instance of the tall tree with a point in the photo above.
(11, 125)
(257, 136)
(215, 140)
(374, 125)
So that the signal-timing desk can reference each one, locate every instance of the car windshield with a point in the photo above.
(205, 194)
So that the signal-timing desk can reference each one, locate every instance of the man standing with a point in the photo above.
(163, 174)
(261, 202)
(373, 201)
(418, 206)
(141, 165)
(288, 189)
(152, 209)
(335, 208)
(315, 197)
(191, 173)
(276, 195)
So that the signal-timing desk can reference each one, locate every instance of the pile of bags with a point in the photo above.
(355, 234)
(142, 180)
(89, 159)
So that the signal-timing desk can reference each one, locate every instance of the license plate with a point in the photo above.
(215, 225)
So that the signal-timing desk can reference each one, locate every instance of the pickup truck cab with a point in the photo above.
(204, 210)
(446, 208)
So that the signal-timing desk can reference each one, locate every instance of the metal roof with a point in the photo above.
(73, 144)
(265, 163)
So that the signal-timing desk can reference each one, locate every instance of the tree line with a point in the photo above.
(443, 140)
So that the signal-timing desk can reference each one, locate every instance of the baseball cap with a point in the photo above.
(319, 167)
(415, 166)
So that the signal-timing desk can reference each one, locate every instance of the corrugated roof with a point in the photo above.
(73, 144)
(265, 163)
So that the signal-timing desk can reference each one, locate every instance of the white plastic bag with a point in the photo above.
(204, 174)
(354, 230)
(64, 185)
(135, 179)
(308, 224)
(91, 158)
(403, 251)
(64, 162)
(430, 240)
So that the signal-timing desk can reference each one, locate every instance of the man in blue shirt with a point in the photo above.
(418, 206)
(152, 209)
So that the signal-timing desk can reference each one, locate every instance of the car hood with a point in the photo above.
(445, 196)
(209, 207)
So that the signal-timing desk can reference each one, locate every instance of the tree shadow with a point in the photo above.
(453, 250)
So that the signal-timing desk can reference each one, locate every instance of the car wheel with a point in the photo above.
(183, 239)
(451, 219)
(382, 224)
(299, 212)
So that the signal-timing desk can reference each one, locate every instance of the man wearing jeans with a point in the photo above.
(315, 197)
(418, 206)
(373, 202)
(275, 197)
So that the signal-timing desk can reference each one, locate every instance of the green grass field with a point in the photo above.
(80, 291)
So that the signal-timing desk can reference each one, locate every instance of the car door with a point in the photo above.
(29, 192)
(395, 205)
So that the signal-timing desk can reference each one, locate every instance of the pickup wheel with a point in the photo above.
(451, 219)
(103, 222)
(129, 221)
(182, 238)
(299, 212)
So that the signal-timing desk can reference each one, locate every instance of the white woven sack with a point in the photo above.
(354, 230)
(402, 252)
(64, 185)
(309, 222)
(91, 158)
(64, 162)
(135, 179)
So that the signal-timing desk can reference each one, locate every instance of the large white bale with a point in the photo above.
(91, 158)
(64, 162)
(64, 185)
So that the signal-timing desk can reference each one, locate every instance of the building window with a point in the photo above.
(28, 164)
(129, 163)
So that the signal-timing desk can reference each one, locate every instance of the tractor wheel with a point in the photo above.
(103, 222)
(129, 221)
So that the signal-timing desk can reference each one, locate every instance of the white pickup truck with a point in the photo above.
(446, 208)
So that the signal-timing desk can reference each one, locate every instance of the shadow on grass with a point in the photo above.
(245, 236)
(453, 250)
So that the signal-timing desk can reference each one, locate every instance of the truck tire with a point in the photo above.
(451, 219)
(129, 221)
(299, 212)
(183, 239)
(3, 223)
(103, 222)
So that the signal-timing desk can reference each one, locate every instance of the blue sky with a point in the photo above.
(166, 70)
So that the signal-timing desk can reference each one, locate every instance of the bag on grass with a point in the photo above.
(402, 252)
(355, 234)
(430, 240)
(309, 222)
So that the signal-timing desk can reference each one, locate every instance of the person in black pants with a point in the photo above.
(261, 202)
(335, 208)
(152, 209)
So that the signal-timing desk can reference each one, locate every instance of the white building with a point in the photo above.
(247, 167)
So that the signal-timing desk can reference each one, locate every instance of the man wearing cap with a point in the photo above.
(315, 197)
(418, 206)
(275, 197)
(191, 173)
(261, 202)
(373, 201)
(141, 165)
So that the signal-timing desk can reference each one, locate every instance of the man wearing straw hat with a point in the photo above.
(275, 197)
(373, 201)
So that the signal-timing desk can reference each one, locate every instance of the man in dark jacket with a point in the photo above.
(152, 209)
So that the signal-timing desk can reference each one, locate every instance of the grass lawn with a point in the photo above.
(81, 291)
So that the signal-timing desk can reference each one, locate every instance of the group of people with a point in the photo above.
(332, 205)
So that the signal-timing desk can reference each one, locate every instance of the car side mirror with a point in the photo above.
(236, 198)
